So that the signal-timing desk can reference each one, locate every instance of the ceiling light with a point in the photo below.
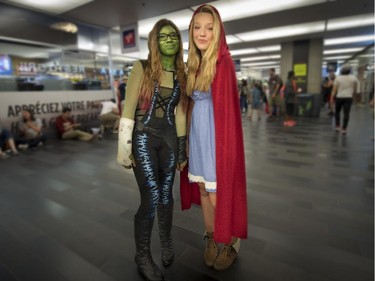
(284, 31)
(255, 58)
(269, 48)
(276, 66)
(260, 58)
(346, 40)
(121, 58)
(65, 26)
(367, 56)
(56, 7)
(237, 9)
(244, 51)
(337, 58)
(260, 63)
(232, 39)
(341, 51)
(181, 19)
(350, 22)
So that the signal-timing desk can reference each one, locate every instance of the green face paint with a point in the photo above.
(169, 45)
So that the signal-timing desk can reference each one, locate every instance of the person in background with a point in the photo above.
(244, 92)
(7, 142)
(121, 92)
(109, 116)
(274, 83)
(256, 100)
(67, 129)
(344, 89)
(266, 95)
(30, 131)
(216, 149)
(329, 88)
(290, 91)
(155, 107)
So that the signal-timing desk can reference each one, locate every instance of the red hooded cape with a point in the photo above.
(231, 204)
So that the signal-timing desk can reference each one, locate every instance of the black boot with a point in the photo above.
(146, 265)
(165, 215)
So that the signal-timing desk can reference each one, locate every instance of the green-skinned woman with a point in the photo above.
(152, 140)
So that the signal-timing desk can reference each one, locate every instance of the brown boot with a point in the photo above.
(227, 256)
(211, 250)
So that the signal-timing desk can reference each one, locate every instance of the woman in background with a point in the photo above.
(344, 89)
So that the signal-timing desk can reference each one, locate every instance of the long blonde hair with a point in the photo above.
(202, 70)
(154, 69)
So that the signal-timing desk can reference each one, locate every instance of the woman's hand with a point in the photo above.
(181, 167)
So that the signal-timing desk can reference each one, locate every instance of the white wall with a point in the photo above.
(47, 105)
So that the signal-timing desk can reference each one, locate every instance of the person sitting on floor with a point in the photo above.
(6, 142)
(30, 131)
(109, 116)
(67, 128)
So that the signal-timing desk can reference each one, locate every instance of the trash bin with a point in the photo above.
(304, 105)
(317, 103)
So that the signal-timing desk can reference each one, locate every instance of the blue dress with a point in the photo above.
(202, 159)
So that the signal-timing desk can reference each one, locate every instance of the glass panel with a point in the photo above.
(25, 67)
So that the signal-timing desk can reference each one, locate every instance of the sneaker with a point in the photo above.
(227, 256)
(4, 156)
(343, 132)
(337, 129)
(23, 146)
(15, 153)
(211, 250)
(292, 123)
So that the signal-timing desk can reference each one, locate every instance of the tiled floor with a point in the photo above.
(66, 210)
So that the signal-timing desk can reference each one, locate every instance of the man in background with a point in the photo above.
(109, 116)
(67, 129)
(274, 83)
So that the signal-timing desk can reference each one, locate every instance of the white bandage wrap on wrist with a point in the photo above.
(125, 141)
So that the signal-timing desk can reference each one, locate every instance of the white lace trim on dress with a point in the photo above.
(210, 186)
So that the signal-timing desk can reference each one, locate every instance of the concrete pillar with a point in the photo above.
(314, 72)
(305, 58)
(286, 61)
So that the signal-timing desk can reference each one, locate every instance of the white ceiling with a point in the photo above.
(255, 28)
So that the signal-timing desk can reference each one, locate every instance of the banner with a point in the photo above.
(47, 105)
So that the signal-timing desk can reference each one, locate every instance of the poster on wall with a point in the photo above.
(300, 71)
(129, 38)
(47, 105)
(5, 65)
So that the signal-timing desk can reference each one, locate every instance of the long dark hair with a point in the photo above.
(32, 118)
(154, 68)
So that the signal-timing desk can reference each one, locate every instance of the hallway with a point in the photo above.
(66, 210)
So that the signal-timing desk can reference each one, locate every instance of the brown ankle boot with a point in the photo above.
(227, 256)
(211, 250)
